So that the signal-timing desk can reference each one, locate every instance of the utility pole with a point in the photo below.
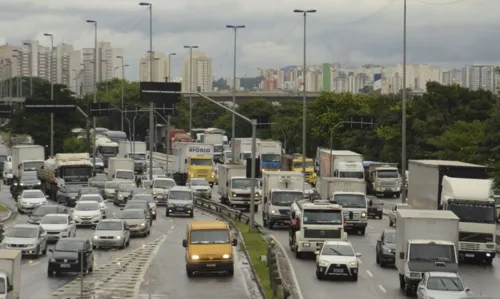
(190, 85)
(95, 94)
(403, 116)
(51, 91)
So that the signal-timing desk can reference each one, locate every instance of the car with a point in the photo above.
(160, 188)
(140, 204)
(123, 193)
(58, 226)
(99, 164)
(157, 172)
(68, 195)
(441, 285)
(97, 198)
(337, 259)
(29, 200)
(392, 213)
(375, 208)
(87, 190)
(71, 255)
(111, 233)
(137, 220)
(29, 238)
(146, 184)
(200, 187)
(137, 191)
(99, 180)
(43, 210)
(8, 174)
(28, 181)
(110, 189)
(87, 213)
(385, 250)
(180, 200)
(149, 199)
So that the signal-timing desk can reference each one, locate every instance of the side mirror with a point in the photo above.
(401, 255)
(358, 254)
(51, 250)
(467, 289)
(10, 288)
(184, 243)
(265, 199)
(235, 242)
(293, 214)
(316, 252)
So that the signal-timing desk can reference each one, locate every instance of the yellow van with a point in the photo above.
(209, 247)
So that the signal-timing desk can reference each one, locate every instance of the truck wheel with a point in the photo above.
(298, 254)
(264, 222)
(355, 277)
(270, 224)
(391, 223)
(398, 195)
(488, 261)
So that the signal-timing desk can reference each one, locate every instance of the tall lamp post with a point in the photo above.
(190, 85)
(122, 91)
(304, 99)
(170, 66)
(51, 92)
(105, 75)
(31, 66)
(95, 92)
(233, 121)
(403, 112)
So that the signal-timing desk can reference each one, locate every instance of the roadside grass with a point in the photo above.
(3, 208)
(5, 135)
(257, 247)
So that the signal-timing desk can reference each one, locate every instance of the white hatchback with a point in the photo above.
(29, 200)
(96, 198)
(337, 259)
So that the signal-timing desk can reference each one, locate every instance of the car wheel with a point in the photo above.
(37, 252)
(127, 243)
(44, 252)
(50, 273)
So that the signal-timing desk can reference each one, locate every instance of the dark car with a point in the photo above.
(71, 255)
(27, 181)
(375, 208)
(68, 195)
(99, 180)
(43, 210)
(140, 204)
(386, 248)
(87, 190)
(123, 193)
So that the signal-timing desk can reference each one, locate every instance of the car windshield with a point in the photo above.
(69, 245)
(89, 191)
(452, 284)
(22, 232)
(163, 184)
(402, 207)
(54, 220)
(125, 175)
(91, 198)
(390, 237)
(36, 194)
(199, 183)
(87, 206)
(44, 210)
(109, 225)
(128, 214)
(143, 197)
(212, 236)
(180, 195)
(111, 185)
(340, 250)
(126, 188)
(138, 156)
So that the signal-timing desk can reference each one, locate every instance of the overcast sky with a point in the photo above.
(352, 32)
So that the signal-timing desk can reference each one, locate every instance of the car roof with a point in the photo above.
(91, 195)
(112, 220)
(442, 274)
(180, 188)
(163, 179)
(208, 224)
(32, 191)
(339, 242)
(25, 225)
(75, 239)
(57, 215)
(86, 202)
(133, 210)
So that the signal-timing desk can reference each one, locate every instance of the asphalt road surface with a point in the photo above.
(166, 277)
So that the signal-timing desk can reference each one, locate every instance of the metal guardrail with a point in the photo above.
(281, 282)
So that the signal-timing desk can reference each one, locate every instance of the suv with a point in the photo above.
(180, 201)
(71, 255)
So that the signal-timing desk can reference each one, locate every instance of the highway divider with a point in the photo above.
(279, 280)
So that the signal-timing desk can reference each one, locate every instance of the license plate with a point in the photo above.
(86, 222)
(210, 265)
(338, 270)
(469, 255)
(65, 265)
(286, 222)
(180, 209)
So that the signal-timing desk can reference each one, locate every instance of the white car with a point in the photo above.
(87, 213)
(160, 189)
(29, 200)
(337, 259)
(58, 226)
(200, 187)
(436, 285)
(96, 198)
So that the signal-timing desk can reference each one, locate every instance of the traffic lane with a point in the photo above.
(34, 280)
(167, 273)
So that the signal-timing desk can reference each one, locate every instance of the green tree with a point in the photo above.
(74, 145)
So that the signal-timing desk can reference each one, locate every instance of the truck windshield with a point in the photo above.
(322, 217)
(163, 184)
(285, 199)
(124, 175)
(201, 162)
(138, 156)
(218, 148)
(243, 183)
(474, 213)
(387, 174)
(209, 236)
(31, 166)
(299, 164)
(350, 200)
(76, 171)
(352, 174)
(108, 150)
(432, 253)
(271, 158)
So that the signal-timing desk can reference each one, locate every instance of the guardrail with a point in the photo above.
(278, 264)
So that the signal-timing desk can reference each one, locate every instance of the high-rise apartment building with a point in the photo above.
(201, 68)
(479, 77)
(160, 67)
(106, 62)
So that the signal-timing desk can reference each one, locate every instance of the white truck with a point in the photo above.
(27, 158)
(234, 187)
(105, 149)
(64, 169)
(382, 179)
(313, 223)
(10, 274)
(280, 190)
(350, 194)
(121, 169)
(345, 164)
(135, 150)
(242, 150)
(193, 160)
(217, 140)
(426, 241)
(269, 152)
(464, 189)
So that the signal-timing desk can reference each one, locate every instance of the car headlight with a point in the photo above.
(76, 217)
(257, 193)
(274, 212)
(233, 194)
(323, 263)
(52, 260)
(226, 256)
(154, 192)
(153, 212)
(353, 264)
(120, 195)
(195, 257)
(363, 215)
(22, 184)
(118, 237)
(143, 224)
(96, 237)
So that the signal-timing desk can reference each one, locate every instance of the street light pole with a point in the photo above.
(403, 112)
(105, 76)
(31, 66)
(170, 66)
(122, 92)
(304, 99)
(95, 93)
(51, 92)
(233, 120)
(190, 85)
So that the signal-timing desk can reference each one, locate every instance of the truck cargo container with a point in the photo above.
(234, 187)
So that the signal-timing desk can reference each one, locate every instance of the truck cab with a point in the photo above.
(201, 166)
(277, 204)
(105, 149)
(496, 196)
(269, 153)
(294, 163)
(354, 209)
(383, 180)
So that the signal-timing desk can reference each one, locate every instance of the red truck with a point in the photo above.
(178, 135)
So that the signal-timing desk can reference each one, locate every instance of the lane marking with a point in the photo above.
(382, 288)
(371, 226)
(34, 264)
(369, 273)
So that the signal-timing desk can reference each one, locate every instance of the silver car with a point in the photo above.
(111, 233)
(110, 189)
(149, 199)
(137, 221)
(441, 285)
(200, 187)
(58, 226)
(30, 239)
(29, 200)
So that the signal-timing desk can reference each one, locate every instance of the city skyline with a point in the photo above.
(336, 33)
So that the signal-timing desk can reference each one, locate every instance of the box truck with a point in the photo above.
(27, 158)
(342, 164)
(121, 169)
(10, 273)
(193, 160)
(234, 187)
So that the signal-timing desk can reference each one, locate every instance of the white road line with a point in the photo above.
(371, 226)
(369, 273)
(382, 288)
(34, 264)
